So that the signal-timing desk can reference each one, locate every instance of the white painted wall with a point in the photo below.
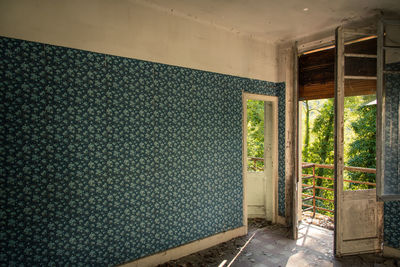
(136, 30)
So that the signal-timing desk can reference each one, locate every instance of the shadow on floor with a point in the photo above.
(268, 245)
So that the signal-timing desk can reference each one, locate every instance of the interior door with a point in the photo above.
(358, 215)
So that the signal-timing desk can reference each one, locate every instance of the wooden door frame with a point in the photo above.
(340, 195)
(296, 142)
(298, 49)
(339, 136)
(275, 162)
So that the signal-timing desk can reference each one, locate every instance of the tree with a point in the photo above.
(362, 151)
(359, 146)
(255, 130)
(306, 146)
(321, 150)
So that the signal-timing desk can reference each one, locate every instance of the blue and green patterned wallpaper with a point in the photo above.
(392, 160)
(107, 159)
(391, 230)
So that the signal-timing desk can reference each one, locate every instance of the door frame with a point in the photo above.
(299, 49)
(342, 247)
(328, 42)
(275, 162)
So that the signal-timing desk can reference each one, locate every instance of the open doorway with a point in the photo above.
(260, 164)
(318, 153)
(317, 198)
(337, 137)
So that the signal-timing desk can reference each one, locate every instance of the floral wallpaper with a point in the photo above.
(107, 159)
(392, 149)
(391, 229)
(392, 153)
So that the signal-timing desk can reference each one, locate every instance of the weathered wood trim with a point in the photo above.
(299, 186)
(244, 156)
(364, 243)
(184, 250)
(325, 43)
(339, 138)
(326, 90)
(275, 173)
(287, 70)
(380, 114)
(281, 220)
(274, 101)
(316, 71)
(296, 142)
(353, 77)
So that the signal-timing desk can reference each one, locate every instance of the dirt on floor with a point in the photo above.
(227, 250)
(268, 244)
(318, 220)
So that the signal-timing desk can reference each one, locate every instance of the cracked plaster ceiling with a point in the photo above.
(275, 21)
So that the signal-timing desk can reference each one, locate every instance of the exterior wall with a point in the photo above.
(110, 159)
(134, 30)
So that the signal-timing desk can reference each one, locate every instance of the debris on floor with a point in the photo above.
(320, 220)
(268, 244)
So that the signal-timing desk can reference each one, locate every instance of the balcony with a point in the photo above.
(309, 191)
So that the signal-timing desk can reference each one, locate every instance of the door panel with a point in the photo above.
(358, 216)
(361, 209)
(256, 194)
(360, 246)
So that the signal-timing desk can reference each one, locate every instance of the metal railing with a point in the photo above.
(313, 187)
(253, 165)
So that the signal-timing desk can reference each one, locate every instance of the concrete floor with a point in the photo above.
(267, 245)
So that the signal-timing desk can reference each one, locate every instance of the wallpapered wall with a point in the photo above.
(108, 159)
(392, 161)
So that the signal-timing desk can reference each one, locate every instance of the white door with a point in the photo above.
(260, 186)
(358, 215)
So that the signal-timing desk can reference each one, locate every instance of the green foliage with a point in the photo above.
(359, 146)
(318, 146)
(321, 151)
(362, 151)
(255, 130)
(306, 146)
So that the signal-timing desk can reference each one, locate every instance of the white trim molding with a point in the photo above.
(274, 101)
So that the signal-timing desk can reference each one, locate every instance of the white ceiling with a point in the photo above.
(274, 20)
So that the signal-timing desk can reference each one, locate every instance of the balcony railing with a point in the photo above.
(307, 197)
(252, 166)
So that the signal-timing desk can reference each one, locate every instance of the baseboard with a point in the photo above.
(256, 216)
(184, 250)
(391, 252)
(281, 220)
